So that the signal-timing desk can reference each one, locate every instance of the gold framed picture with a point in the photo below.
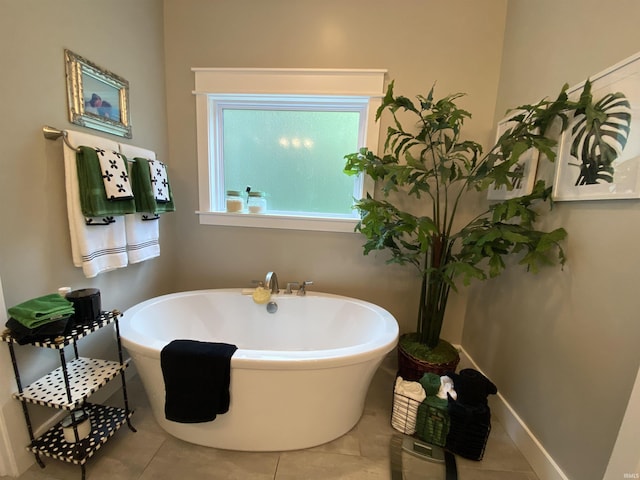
(97, 98)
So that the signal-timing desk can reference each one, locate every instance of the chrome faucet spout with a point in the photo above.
(271, 282)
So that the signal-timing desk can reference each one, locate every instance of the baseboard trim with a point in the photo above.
(541, 462)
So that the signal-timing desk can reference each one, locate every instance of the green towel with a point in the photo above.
(39, 311)
(143, 194)
(432, 421)
(93, 198)
(431, 383)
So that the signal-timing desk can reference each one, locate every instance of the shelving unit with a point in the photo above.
(68, 388)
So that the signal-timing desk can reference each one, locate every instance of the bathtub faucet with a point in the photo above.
(271, 282)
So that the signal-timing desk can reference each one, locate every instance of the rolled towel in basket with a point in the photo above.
(432, 421)
(473, 387)
(407, 397)
(446, 388)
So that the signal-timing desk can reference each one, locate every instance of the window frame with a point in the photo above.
(214, 85)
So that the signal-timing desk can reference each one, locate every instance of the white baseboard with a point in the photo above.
(541, 462)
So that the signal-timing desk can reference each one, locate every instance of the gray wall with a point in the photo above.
(563, 345)
(418, 43)
(121, 36)
(35, 254)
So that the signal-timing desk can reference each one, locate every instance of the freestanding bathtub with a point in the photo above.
(298, 379)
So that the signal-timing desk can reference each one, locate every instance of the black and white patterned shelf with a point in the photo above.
(86, 376)
(76, 333)
(105, 421)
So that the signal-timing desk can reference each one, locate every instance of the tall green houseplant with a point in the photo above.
(432, 163)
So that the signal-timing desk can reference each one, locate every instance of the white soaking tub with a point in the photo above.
(299, 377)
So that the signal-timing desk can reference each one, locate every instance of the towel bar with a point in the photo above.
(51, 133)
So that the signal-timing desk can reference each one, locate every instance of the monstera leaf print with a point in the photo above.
(599, 136)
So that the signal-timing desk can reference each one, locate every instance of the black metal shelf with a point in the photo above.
(86, 376)
(75, 334)
(105, 421)
(68, 387)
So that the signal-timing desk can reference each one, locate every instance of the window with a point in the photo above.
(284, 132)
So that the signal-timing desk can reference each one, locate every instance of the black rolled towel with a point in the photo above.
(472, 387)
(196, 379)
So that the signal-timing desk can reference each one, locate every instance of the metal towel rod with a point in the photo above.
(51, 133)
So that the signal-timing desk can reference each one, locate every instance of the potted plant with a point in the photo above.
(431, 165)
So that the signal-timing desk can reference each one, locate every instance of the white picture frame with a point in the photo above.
(619, 179)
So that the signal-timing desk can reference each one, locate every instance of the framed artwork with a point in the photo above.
(601, 160)
(97, 98)
(526, 167)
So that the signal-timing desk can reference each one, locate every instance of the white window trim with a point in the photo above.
(275, 81)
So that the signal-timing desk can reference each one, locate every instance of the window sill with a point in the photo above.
(286, 222)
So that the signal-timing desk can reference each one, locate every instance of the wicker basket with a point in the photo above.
(412, 368)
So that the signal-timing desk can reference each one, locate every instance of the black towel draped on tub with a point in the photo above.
(196, 379)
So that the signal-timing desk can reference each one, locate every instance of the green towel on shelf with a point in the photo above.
(39, 311)
(143, 190)
(93, 198)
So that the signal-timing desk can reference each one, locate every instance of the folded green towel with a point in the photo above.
(41, 310)
(93, 198)
(143, 190)
(432, 421)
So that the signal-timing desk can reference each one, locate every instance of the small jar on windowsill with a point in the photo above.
(257, 202)
(235, 203)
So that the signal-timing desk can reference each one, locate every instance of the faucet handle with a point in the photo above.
(303, 288)
(290, 287)
(257, 283)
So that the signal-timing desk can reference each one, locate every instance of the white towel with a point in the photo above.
(143, 235)
(407, 397)
(446, 387)
(95, 248)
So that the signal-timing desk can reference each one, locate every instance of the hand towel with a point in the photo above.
(52, 329)
(159, 180)
(142, 229)
(196, 376)
(143, 190)
(115, 174)
(93, 197)
(95, 248)
(38, 311)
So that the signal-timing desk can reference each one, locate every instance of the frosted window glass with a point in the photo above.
(295, 157)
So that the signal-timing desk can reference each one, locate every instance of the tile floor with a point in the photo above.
(363, 453)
